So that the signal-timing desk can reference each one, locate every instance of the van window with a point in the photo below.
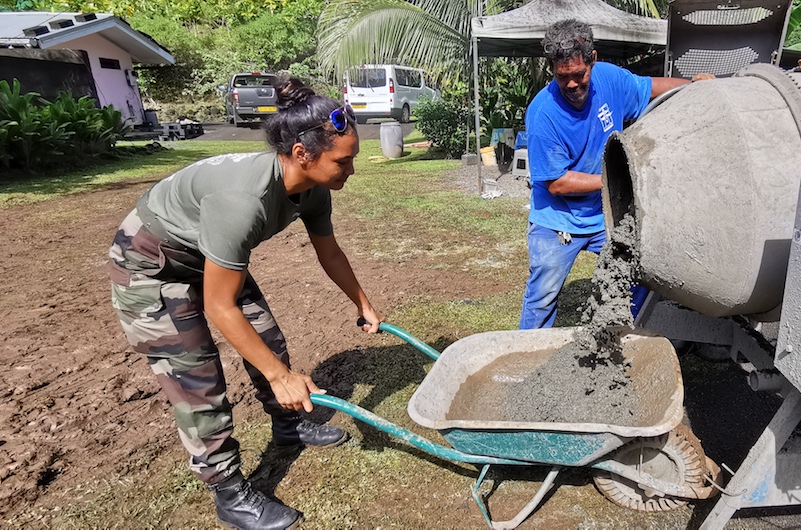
(367, 77)
(410, 78)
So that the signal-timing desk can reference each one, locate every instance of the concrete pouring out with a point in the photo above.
(610, 302)
(585, 381)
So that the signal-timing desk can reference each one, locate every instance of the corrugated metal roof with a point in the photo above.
(42, 29)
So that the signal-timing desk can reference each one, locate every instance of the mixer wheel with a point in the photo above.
(674, 457)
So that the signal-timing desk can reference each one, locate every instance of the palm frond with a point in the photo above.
(355, 32)
(455, 14)
(430, 34)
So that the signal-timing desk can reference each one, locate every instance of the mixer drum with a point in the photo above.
(712, 178)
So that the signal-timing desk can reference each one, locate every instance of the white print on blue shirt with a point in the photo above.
(605, 115)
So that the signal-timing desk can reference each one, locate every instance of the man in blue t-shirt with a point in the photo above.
(567, 125)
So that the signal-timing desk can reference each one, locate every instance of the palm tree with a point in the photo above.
(434, 34)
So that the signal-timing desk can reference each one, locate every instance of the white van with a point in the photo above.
(386, 91)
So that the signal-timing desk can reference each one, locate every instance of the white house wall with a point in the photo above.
(114, 87)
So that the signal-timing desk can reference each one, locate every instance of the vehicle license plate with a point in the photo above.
(359, 105)
(267, 109)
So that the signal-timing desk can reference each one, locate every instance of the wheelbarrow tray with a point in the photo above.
(655, 375)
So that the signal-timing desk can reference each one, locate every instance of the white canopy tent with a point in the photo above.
(519, 32)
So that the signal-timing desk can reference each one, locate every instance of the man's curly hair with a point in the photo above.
(565, 31)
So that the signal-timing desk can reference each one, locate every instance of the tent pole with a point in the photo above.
(478, 121)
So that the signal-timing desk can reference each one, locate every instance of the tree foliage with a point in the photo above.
(188, 12)
(649, 8)
(436, 35)
(509, 86)
(794, 27)
(209, 39)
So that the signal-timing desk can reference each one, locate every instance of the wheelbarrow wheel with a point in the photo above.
(675, 457)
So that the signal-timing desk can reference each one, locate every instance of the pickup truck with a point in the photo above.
(249, 96)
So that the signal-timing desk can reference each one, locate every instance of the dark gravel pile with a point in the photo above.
(577, 387)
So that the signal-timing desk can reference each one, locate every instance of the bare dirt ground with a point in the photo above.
(76, 404)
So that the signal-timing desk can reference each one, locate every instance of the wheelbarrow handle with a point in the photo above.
(405, 335)
(406, 435)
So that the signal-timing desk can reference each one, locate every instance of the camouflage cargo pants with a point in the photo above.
(160, 306)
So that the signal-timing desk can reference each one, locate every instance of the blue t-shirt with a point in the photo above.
(562, 138)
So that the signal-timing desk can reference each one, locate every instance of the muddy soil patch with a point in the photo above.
(77, 404)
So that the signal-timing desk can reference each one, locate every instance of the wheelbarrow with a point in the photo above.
(656, 465)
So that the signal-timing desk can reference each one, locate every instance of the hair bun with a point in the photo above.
(291, 91)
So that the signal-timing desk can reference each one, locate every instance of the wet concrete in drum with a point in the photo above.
(585, 381)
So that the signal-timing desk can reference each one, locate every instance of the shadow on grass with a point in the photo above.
(388, 371)
(273, 467)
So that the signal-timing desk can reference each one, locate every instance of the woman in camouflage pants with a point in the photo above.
(182, 254)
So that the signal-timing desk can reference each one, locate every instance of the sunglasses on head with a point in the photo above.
(339, 118)
(567, 44)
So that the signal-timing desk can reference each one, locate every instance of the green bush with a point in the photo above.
(92, 131)
(794, 27)
(444, 124)
(35, 133)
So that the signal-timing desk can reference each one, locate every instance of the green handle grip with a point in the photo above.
(405, 335)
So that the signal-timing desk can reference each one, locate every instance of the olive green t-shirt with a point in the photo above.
(226, 205)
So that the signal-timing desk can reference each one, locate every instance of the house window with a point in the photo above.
(112, 64)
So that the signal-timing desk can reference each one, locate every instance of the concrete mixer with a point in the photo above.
(711, 177)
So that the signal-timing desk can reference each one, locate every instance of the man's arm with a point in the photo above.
(575, 183)
(221, 288)
(660, 85)
(338, 268)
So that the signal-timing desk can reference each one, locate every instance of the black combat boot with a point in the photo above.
(294, 430)
(241, 507)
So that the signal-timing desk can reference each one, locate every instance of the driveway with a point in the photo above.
(254, 133)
